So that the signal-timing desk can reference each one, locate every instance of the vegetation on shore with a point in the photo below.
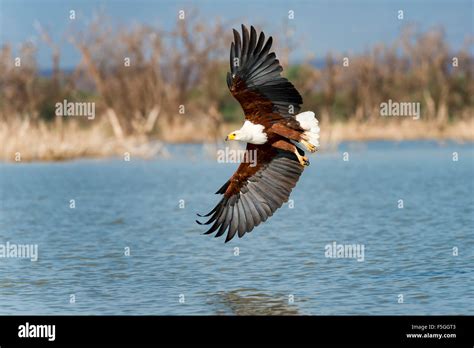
(148, 84)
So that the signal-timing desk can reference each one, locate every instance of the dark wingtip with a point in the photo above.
(200, 223)
(253, 31)
(245, 31)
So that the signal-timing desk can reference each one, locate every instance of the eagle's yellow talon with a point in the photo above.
(310, 147)
(302, 159)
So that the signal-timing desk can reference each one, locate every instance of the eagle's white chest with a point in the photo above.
(253, 133)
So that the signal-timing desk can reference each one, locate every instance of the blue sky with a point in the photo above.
(325, 26)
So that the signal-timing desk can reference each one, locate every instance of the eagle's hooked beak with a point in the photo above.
(231, 136)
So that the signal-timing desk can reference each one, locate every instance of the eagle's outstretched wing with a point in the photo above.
(254, 193)
(255, 80)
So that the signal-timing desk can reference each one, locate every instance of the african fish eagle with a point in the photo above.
(272, 128)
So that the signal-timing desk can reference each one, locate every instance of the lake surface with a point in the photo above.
(421, 255)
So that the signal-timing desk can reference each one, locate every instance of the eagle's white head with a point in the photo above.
(249, 133)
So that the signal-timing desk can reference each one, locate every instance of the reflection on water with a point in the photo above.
(172, 269)
(253, 302)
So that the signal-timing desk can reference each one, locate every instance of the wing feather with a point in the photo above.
(255, 193)
(252, 217)
(256, 81)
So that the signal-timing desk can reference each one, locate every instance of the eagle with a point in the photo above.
(274, 129)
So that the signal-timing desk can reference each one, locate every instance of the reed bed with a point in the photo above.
(151, 86)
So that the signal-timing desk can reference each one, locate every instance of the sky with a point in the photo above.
(338, 26)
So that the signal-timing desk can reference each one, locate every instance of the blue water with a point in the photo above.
(280, 267)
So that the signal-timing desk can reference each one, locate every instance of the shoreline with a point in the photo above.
(49, 144)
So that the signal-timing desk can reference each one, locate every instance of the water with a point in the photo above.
(135, 204)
